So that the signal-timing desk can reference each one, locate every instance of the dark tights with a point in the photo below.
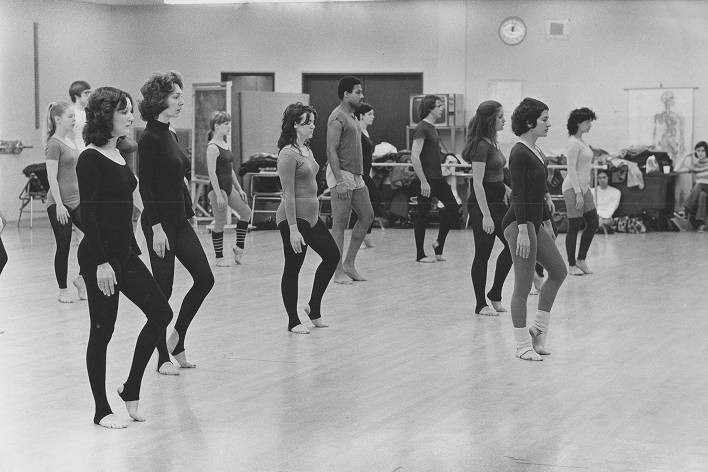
(62, 235)
(591, 225)
(484, 243)
(442, 191)
(185, 246)
(137, 284)
(3, 256)
(321, 241)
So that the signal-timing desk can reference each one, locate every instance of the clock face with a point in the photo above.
(512, 30)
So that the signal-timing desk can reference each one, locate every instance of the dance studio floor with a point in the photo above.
(407, 378)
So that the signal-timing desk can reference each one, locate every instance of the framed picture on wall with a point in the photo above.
(662, 117)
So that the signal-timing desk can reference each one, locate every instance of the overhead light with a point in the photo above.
(214, 2)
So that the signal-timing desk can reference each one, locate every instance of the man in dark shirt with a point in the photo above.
(344, 177)
(425, 155)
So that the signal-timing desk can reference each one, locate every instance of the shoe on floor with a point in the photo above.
(575, 270)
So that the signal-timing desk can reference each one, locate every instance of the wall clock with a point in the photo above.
(512, 30)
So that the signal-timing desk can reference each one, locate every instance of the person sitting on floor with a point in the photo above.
(607, 199)
(696, 200)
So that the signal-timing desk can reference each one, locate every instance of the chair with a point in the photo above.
(36, 188)
(266, 191)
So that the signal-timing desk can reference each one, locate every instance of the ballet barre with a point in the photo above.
(410, 164)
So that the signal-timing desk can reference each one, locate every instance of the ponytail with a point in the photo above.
(49, 126)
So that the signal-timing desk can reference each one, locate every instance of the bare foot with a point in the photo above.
(317, 322)
(168, 368)
(342, 278)
(132, 407)
(64, 296)
(113, 422)
(299, 329)
(81, 287)
(223, 262)
(181, 359)
(498, 306)
(351, 271)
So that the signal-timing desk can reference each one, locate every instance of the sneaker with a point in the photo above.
(238, 254)
(574, 270)
(582, 265)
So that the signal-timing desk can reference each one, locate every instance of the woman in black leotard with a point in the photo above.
(108, 254)
(3, 252)
(487, 204)
(163, 168)
(529, 196)
(365, 115)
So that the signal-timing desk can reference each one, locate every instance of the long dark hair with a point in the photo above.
(291, 116)
(482, 125)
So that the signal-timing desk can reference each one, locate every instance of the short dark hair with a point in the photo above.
(346, 84)
(155, 92)
(603, 171)
(526, 114)
(702, 144)
(427, 105)
(363, 109)
(292, 115)
(77, 88)
(102, 104)
(577, 116)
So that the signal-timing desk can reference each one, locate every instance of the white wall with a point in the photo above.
(69, 49)
(454, 43)
(613, 45)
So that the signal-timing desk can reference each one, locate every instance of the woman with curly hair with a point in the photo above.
(298, 216)
(163, 168)
(108, 253)
(579, 201)
(522, 223)
(487, 204)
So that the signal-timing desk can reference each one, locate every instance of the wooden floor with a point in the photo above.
(407, 378)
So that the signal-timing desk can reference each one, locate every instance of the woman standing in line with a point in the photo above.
(163, 168)
(63, 195)
(223, 182)
(579, 202)
(365, 115)
(522, 223)
(3, 252)
(298, 217)
(108, 253)
(487, 203)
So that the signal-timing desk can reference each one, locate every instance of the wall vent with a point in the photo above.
(557, 29)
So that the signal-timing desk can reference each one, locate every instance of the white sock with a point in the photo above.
(542, 320)
(523, 338)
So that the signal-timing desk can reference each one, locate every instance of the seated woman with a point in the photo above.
(607, 199)
(696, 200)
